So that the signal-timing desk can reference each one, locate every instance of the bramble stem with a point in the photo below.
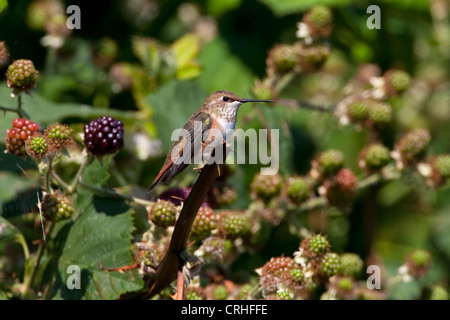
(105, 192)
(29, 278)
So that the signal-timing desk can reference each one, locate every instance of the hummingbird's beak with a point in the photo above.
(255, 100)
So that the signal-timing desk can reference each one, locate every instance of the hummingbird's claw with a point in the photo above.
(193, 269)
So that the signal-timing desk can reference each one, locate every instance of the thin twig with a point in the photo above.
(292, 103)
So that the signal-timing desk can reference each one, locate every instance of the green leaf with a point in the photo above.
(173, 104)
(8, 233)
(186, 49)
(217, 8)
(405, 291)
(294, 6)
(44, 111)
(98, 238)
(222, 70)
(96, 174)
(148, 52)
(11, 184)
(276, 121)
(440, 234)
(3, 5)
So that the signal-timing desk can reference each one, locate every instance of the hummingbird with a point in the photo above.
(217, 114)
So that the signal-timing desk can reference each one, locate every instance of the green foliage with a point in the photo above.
(290, 6)
(3, 5)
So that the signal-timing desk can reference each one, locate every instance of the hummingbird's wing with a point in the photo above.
(183, 150)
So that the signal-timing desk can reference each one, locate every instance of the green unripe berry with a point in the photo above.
(298, 275)
(351, 265)
(331, 161)
(421, 257)
(283, 57)
(380, 113)
(37, 147)
(358, 111)
(442, 165)
(234, 226)
(331, 264)
(283, 295)
(59, 132)
(220, 293)
(318, 244)
(298, 190)
(262, 91)
(345, 284)
(377, 156)
(321, 16)
(163, 213)
(439, 293)
(399, 80)
(192, 295)
(266, 187)
(413, 145)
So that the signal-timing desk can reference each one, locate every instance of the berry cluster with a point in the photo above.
(104, 136)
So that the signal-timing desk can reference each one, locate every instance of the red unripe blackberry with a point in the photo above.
(279, 265)
(20, 131)
(103, 136)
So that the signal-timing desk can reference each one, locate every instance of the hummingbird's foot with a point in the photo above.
(228, 145)
(191, 266)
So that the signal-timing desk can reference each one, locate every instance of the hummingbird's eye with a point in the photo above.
(225, 99)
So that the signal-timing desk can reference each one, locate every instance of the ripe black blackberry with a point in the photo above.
(103, 136)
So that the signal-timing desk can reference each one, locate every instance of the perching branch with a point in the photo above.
(167, 270)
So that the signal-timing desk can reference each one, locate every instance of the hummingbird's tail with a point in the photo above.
(167, 172)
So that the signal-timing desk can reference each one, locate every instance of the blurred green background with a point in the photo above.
(150, 63)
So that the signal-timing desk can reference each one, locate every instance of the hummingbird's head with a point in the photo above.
(223, 99)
